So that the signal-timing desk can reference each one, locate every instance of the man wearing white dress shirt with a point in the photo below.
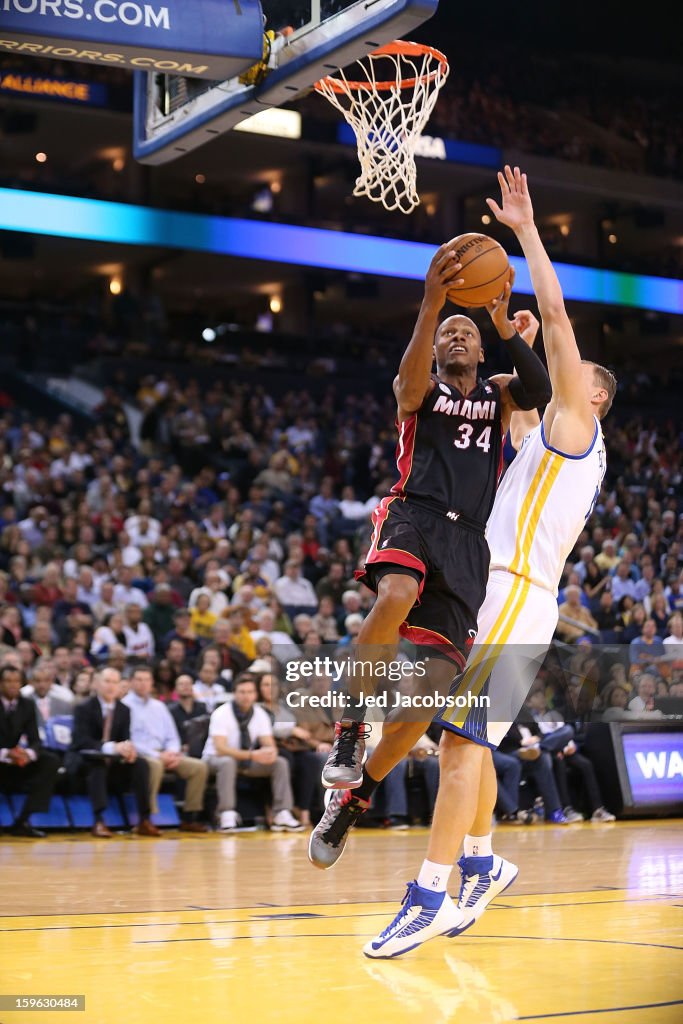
(124, 591)
(156, 738)
(294, 592)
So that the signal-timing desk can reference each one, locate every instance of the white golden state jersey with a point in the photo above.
(542, 506)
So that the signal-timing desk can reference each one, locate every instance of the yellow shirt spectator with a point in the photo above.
(202, 620)
(241, 639)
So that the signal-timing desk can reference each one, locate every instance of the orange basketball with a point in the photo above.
(485, 269)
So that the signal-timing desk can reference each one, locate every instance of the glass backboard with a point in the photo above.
(175, 115)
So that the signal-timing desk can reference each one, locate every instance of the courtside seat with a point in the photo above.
(6, 816)
(81, 813)
(56, 816)
(167, 817)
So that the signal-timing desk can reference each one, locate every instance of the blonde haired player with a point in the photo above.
(539, 512)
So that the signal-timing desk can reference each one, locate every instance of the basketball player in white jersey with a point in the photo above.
(539, 512)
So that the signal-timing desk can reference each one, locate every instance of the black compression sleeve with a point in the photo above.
(531, 387)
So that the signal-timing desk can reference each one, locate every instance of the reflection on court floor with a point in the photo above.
(240, 929)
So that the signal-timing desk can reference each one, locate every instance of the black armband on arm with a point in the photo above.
(531, 387)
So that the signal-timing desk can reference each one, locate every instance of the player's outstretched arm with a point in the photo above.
(564, 360)
(530, 386)
(413, 382)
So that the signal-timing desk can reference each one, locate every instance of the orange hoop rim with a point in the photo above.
(400, 47)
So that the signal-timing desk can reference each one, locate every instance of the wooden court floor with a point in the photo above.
(242, 929)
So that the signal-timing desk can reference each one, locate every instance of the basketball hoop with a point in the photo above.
(388, 109)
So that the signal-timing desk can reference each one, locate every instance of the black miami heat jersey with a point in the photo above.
(450, 452)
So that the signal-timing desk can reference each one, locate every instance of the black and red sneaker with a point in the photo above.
(344, 766)
(328, 838)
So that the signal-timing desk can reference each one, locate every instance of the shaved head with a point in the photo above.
(457, 345)
(455, 320)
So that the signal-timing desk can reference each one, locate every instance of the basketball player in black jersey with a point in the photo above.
(428, 561)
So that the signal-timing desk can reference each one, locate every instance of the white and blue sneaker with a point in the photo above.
(482, 879)
(423, 915)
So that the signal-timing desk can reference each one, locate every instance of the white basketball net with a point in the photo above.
(388, 117)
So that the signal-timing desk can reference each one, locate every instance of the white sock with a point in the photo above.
(478, 846)
(434, 876)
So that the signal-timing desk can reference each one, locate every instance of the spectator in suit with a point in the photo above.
(156, 738)
(57, 690)
(47, 700)
(28, 768)
(102, 725)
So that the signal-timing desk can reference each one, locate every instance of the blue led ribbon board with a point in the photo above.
(122, 223)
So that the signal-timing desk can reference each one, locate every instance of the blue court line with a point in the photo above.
(607, 1009)
(560, 938)
(338, 935)
(593, 903)
(253, 919)
(255, 938)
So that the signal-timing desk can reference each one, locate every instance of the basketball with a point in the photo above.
(485, 269)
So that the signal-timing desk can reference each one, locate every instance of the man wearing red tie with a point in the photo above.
(24, 765)
(101, 748)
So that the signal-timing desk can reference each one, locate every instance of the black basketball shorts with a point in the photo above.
(449, 560)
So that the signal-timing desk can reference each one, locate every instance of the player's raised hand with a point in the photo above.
(442, 274)
(526, 325)
(516, 211)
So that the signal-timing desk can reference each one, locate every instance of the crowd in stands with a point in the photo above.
(577, 111)
(199, 563)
